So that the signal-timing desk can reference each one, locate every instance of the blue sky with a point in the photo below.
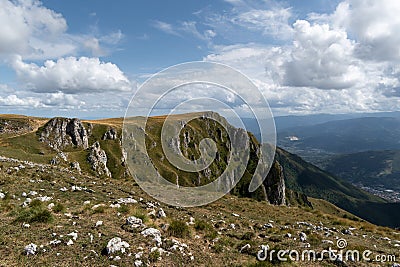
(87, 58)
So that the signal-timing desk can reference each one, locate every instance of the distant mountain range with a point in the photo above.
(344, 136)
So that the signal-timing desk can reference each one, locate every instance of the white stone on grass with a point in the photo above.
(30, 249)
(156, 234)
(116, 245)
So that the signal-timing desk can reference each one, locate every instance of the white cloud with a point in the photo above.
(322, 58)
(251, 20)
(191, 28)
(93, 44)
(185, 28)
(60, 99)
(33, 31)
(165, 27)
(266, 66)
(72, 75)
(375, 25)
(11, 98)
(23, 19)
(15, 101)
(273, 22)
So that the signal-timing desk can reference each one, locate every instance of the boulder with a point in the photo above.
(116, 245)
(30, 249)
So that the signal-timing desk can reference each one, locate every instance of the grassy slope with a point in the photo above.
(314, 182)
(207, 251)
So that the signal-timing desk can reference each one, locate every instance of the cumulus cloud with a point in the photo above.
(15, 101)
(21, 20)
(322, 58)
(72, 75)
(60, 99)
(374, 24)
(35, 32)
(25, 100)
(266, 67)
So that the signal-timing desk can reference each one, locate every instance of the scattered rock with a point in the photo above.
(74, 235)
(303, 237)
(268, 225)
(134, 222)
(116, 245)
(30, 249)
(161, 213)
(191, 221)
(55, 242)
(154, 233)
(76, 166)
(346, 232)
(44, 198)
(127, 200)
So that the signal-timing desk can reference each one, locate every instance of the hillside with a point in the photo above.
(375, 170)
(91, 206)
(319, 142)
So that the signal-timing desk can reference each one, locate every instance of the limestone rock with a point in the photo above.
(116, 245)
(156, 234)
(59, 133)
(76, 166)
(111, 134)
(98, 160)
(30, 249)
(275, 185)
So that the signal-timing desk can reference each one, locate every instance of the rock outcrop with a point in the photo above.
(274, 185)
(59, 133)
(98, 160)
(111, 134)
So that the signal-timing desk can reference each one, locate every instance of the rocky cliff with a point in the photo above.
(60, 133)
(274, 184)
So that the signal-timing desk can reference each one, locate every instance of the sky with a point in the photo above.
(87, 58)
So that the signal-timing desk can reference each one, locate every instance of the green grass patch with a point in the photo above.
(178, 229)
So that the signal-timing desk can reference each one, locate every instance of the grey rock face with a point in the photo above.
(59, 133)
(76, 166)
(98, 160)
(111, 134)
(275, 185)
